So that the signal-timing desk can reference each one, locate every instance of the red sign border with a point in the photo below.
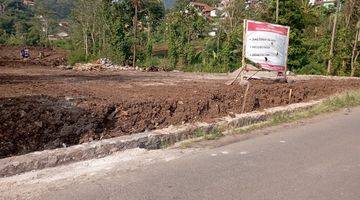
(268, 27)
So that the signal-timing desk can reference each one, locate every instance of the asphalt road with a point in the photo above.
(318, 159)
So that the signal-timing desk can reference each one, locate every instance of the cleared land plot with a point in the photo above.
(46, 108)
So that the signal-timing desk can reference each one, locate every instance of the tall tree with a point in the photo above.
(183, 26)
(355, 50)
(18, 23)
(333, 35)
(135, 27)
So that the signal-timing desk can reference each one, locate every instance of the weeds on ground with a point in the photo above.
(188, 143)
(164, 144)
(212, 135)
(201, 135)
(345, 100)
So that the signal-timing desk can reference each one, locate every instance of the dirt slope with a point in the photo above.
(45, 108)
(10, 56)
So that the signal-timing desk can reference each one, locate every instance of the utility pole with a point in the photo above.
(277, 11)
(333, 37)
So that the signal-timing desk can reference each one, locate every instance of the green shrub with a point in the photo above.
(165, 64)
(314, 69)
(63, 44)
(211, 135)
(3, 37)
(14, 40)
(152, 61)
(33, 38)
(77, 57)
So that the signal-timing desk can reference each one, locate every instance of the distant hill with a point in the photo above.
(58, 9)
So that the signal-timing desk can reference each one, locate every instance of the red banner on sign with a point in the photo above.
(267, 44)
(262, 26)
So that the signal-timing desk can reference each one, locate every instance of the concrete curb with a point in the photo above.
(149, 140)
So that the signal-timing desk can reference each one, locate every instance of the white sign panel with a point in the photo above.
(267, 45)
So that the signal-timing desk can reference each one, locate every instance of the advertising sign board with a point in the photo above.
(267, 44)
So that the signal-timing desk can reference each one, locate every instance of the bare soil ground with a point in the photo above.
(45, 108)
(10, 56)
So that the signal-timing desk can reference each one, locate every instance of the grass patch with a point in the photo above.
(198, 135)
(188, 143)
(345, 100)
(212, 135)
(201, 135)
(164, 144)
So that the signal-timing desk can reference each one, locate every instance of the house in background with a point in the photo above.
(205, 9)
(325, 3)
(62, 31)
(58, 36)
(63, 35)
(29, 2)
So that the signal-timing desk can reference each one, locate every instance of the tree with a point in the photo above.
(303, 20)
(127, 30)
(352, 17)
(183, 26)
(18, 24)
(58, 9)
(114, 29)
(236, 12)
(135, 4)
(355, 50)
(91, 26)
(154, 15)
(209, 2)
(333, 35)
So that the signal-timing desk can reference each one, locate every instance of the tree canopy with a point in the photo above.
(323, 39)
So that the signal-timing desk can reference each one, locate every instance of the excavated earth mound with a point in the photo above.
(45, 108)
(10, 56)
(32, 123)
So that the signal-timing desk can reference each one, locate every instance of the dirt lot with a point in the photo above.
(10, 56)
(45, 108)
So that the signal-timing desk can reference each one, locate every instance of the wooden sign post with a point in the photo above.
(243, 59)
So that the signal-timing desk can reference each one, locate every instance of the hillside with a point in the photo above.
(56, 9)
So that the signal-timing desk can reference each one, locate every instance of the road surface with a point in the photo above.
(314, 159)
